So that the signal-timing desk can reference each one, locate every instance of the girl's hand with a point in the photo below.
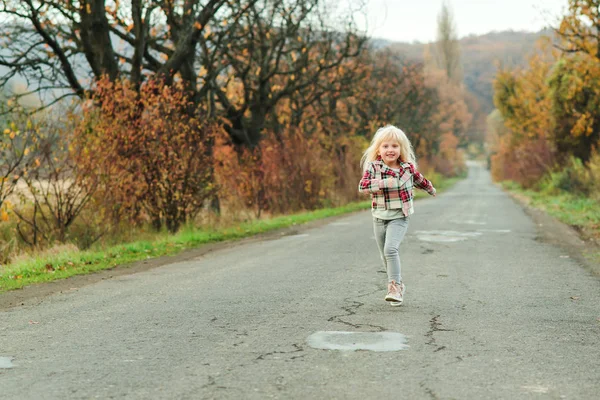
(388, 183)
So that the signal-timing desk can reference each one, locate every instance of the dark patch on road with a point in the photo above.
(297, 349)
(428, 390)
(351, 309)
(212, 384)
(434, 326)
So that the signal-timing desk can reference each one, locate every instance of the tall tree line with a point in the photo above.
(274, 49)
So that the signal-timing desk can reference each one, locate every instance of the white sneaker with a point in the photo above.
(395, 293)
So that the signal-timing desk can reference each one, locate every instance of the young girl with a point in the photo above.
(389, 175)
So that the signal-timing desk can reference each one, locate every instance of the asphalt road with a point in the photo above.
(491, 312)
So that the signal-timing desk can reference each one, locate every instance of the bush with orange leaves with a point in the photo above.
(282, 174)
(287, 173)
(149, 151)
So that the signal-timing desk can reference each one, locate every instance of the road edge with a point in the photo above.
(34, 294)
(552, 231)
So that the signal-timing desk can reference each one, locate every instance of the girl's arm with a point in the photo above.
(368, 183)
(421, 182)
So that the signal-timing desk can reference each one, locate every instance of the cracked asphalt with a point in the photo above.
(496, 314)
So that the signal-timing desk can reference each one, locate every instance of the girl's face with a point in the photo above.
(389, 150)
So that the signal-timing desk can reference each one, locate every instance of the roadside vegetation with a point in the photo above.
(208, 120)
(575, 209)
(63, 261)
(545, 133)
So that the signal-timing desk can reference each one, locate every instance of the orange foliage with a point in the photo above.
(412, 97)
(525, 163)
(17, 140)
(149, 151)
(449, 161)
(522, 150)
(283, 174)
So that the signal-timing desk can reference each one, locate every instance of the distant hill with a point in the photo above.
(480, 55)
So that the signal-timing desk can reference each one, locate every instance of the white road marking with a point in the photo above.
(445, 236)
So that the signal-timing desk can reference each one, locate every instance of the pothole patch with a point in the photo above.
(6, 362)
(352, 341)
(536, 389)
(445, 236)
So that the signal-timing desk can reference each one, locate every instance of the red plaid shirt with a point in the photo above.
(390, 190)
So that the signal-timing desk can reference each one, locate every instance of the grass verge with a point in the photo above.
(74, 262)
(582, 213)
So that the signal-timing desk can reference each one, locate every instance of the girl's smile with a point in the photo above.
(390, 153)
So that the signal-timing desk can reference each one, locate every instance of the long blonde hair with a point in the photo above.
(389, 132)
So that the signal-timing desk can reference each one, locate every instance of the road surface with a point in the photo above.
(491, 312)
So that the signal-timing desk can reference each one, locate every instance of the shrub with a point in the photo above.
(283, 174)
(149, 152)
(575, 177)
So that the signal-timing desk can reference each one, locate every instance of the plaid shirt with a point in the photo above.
(390, 190)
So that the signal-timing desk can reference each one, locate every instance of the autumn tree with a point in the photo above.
(522, 97)
(147, 154)
(575, 91)
(575, 81)
(393, 91)
(524, 150)
(580, 28)
(53, 196)
(58, 45)
(18, 136)
(273, 49)
(278, 50)
(446, 48)
(443, 69)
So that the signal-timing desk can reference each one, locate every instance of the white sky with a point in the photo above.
(416, 20)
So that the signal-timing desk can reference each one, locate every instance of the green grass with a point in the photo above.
(66, 264)
(578, 211)
(70, 263)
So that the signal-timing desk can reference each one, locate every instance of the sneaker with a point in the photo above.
(395, 293)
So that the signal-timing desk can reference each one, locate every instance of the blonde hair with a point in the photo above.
(389, 132)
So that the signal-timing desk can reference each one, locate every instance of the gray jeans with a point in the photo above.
(389, 235)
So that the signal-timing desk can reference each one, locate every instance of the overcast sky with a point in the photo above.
(415, 20)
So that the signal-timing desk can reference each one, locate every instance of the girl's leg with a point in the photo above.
(394, 233)
(379, 226)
